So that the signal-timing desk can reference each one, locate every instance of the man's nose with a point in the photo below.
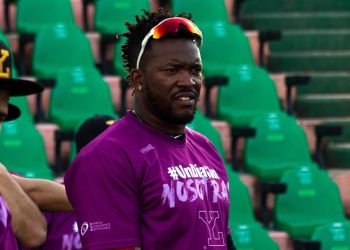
(187, 79)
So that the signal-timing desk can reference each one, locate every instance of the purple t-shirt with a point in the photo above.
(135, 186)
(62, 232)
(7, 237)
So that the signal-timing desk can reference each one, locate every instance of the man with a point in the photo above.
(148, 181)
(19, 216)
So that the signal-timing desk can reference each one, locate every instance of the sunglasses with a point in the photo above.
(169, 25)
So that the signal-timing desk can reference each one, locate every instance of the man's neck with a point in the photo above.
(154, 122)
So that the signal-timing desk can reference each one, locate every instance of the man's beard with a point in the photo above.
(164, 111)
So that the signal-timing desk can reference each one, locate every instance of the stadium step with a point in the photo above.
(326, 83)
(322, 105)
(309, 61)
(255, 6)
(297, 20)
(311, 40)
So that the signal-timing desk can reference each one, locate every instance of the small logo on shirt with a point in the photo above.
(146, 149)
(84, 228)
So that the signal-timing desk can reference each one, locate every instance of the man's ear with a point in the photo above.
(136, 79)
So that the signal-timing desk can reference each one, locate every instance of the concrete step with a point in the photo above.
(317, 61)
(311, 40)
(297, 21)
(272, 6)
(322, 105)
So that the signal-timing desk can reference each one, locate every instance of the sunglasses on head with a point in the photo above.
(169, 25)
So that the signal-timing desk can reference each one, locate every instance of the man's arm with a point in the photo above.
(28, 223)
(48, 195)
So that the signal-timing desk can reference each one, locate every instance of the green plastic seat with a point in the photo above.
(22, 103)
(79, 94)
(59, 47)
(252, 237)
(110, 15)
(224, 45)
(202, 10)
(203, 125)
(246, 232)
(118, 67)
(280, 144)
(333, 236)
(241, 208)
(249, 93)
(312, 199)
(22, 149)
(32, 15)
(4, 39)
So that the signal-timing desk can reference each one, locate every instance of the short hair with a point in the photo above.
(137, 32)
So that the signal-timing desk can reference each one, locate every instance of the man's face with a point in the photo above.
(4, 98)
(172, 78)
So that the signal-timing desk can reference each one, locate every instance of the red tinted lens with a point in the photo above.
(171, 25)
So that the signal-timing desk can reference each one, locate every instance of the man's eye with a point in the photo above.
(171, 70)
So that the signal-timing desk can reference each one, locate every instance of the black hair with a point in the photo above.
(137, 32)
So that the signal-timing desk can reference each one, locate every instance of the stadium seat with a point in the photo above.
(22, 149)
(58, 47)
(22, 103)
(335, 235)
(109, 20)
(311, 200)
(204, 126)
(279, 144)
(252, 237)
(118, 67)
(79, 93)
(32, 15)
(202, 10)
(110, 15)
(250, 92)
(4, 38)
(224, 45)
(29, 24)
(246, 232)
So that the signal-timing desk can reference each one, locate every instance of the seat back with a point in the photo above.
(58, 47)
(312, 199)
(333, 236)
(279, 144)
(224, 45)
(22, 149)
(118, 67)
(110, 15)
(249, 93)
(79, 94)
(204, 126)
(32, 15)
(22, 103)
(251, 237)
(241, 209)
(202, 10)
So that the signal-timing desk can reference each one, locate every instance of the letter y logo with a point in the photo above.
(216, 238)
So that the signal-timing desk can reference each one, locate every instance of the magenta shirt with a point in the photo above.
(7, 237)
(135, 186)
(62, 232)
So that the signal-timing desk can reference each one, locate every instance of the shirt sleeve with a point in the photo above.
(102, 188)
